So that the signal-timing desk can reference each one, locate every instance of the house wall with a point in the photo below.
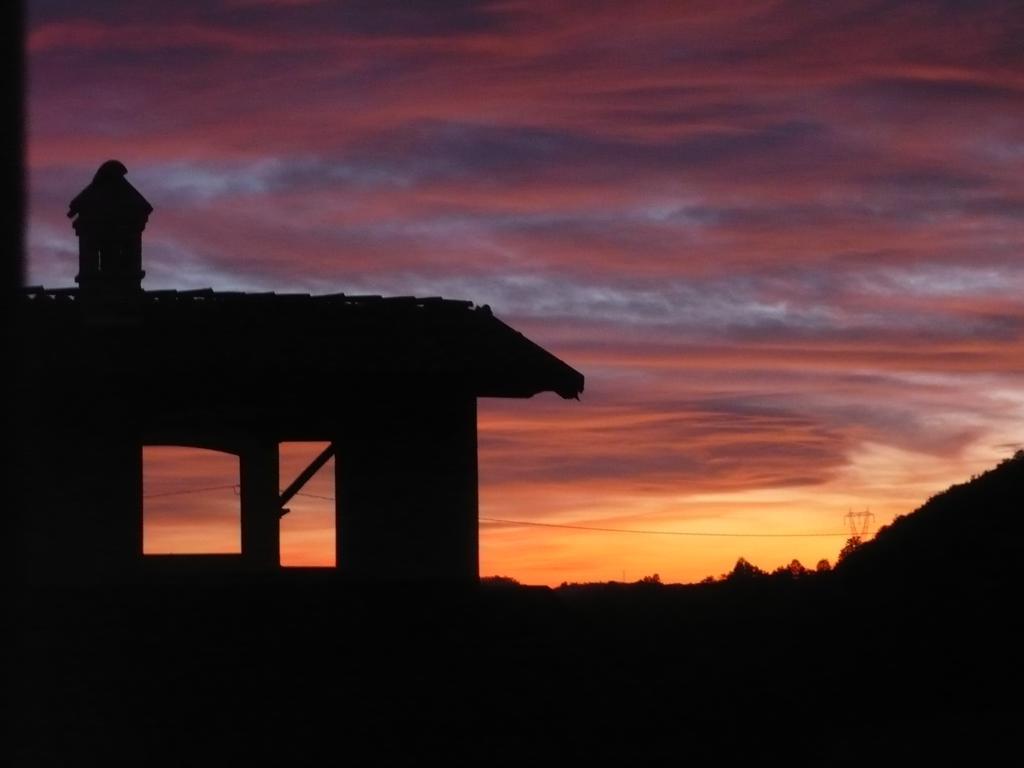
(406, 488)
(80, 503)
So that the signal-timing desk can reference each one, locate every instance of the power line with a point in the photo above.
(532, 523)
(655, 533)
(189, 490)
(625, 530)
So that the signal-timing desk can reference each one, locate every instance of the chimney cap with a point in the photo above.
(110, 197)
(110, 171)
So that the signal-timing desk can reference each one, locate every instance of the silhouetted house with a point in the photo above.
(392, 383)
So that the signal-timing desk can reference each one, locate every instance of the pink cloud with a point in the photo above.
(780, 244)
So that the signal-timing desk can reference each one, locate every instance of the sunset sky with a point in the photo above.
(784, 241)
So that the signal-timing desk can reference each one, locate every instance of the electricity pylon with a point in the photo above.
(859, 523)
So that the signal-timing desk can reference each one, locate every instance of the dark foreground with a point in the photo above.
(910, 650)
(820, 672)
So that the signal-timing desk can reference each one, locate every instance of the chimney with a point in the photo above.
(109, 216)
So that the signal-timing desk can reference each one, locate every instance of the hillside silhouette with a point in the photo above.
(969, 537)
(909, 648)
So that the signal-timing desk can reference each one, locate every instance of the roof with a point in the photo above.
(209, 341)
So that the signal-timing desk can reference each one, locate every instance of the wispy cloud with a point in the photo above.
(783, 241)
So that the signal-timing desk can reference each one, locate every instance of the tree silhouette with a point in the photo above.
(793, 571)
(851, 546)
(744, 571)
(499, 581)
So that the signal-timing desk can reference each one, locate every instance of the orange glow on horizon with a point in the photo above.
(892, 483)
